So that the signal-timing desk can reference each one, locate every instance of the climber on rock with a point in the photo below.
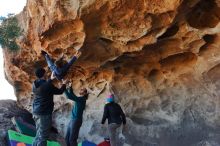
(58, 67)
(43, 92)
(115, 116)
(76, 114)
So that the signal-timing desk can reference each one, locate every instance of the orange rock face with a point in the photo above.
(160, 56)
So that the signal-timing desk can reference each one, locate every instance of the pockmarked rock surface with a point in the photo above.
(162, 58)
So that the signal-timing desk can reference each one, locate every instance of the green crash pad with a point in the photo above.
(15, 137)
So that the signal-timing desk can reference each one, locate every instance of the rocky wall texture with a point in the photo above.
(162, 58)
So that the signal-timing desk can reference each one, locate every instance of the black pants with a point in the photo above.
(73, 132)
(43, 125)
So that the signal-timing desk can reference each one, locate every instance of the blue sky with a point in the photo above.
(8, 6)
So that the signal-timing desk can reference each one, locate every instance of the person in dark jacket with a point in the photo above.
(115, 116)
(76, 115)
(43, 91)
(60, 69)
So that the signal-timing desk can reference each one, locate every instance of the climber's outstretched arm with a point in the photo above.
(66, 67)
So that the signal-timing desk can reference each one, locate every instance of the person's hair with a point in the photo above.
(85, 90)
(39, 72)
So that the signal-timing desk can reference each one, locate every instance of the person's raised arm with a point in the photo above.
(56, 90)
(123, 116)
(71, 95)
(105, 115)
(71, 61)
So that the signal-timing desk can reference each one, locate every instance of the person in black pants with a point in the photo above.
(76, 115)
(115, 116)
(43, 105)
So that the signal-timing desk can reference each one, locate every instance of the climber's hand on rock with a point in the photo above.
(52, 77)
(43, 52)
(78, 53)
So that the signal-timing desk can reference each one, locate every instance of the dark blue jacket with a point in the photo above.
(43, 96)
(114, 114)
(80, 104)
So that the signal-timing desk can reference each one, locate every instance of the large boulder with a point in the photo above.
(160, 56)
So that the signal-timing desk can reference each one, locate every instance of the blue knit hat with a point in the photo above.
(110, 98)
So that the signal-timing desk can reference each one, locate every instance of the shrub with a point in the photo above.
(9, 31)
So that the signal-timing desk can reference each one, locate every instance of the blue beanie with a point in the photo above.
(110, 98)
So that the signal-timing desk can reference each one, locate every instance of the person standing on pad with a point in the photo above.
(76, 115)
(115, 116)
(60, 69)
(43, 91)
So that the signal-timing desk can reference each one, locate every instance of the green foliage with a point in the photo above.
(9, 31)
